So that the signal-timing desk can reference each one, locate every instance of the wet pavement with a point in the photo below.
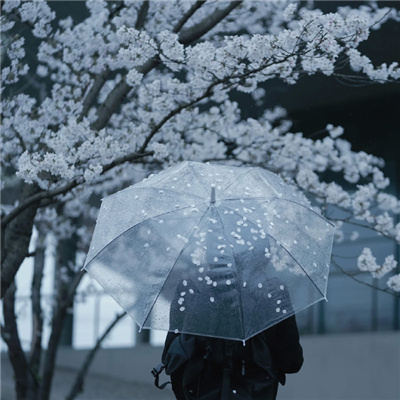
(97, 387)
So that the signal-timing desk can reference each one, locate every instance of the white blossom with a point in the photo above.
(394, 282)
(93, 172)
(366, 261)
(38, 13)
(384, 223)
(388, 265)
(133, 77)
(334, 131)
(289, 11)
(10, 5)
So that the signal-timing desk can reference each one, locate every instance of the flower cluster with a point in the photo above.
(367, 262)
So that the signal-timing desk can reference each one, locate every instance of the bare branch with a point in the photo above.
(142, 15)
(93, 93)
(209, 22)
(102, 78)
(187, 16)
(35, 199)
(353, 276)
(78, 384)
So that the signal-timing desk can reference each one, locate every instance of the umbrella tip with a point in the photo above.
(213, 197)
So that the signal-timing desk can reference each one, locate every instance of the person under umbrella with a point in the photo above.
(232, 242)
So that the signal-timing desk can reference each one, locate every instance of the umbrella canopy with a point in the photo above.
(212, 250)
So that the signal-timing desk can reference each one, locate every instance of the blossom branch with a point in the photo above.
(119, 93)
(353, 276)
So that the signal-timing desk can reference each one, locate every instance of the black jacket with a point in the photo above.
(276, 350)
(284, 345)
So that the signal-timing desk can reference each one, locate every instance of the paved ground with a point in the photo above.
(97, 387)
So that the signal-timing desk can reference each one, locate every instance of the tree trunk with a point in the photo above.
(65, 257)
(64, 301)
(25, 386)
(37, 314)
(15, 240)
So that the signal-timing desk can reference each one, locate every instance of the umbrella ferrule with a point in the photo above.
(213, 196)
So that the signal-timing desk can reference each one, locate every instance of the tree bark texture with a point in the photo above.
(37, 314)
(25, 386)
(64, 302)
(15, 240)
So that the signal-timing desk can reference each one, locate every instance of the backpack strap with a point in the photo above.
(156, 371)
(226, 374)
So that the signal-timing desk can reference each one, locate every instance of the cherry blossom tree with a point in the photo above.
(140, 85)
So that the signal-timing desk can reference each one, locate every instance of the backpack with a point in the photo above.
(204, 368)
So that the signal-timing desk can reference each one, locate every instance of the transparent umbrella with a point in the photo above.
(212, 250)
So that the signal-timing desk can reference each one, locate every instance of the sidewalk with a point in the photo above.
(97, 387)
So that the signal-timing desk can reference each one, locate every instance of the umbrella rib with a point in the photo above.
(288, 252)
(291, 256)
(197, 176)
(283, 199)
(307, 208)
(176, 260)
(132, 227)
(237, 276)
(241, 176)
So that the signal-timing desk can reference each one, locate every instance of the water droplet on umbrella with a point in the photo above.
(281, 287)
(184, 283)
(212, 299)
(182, 309)
(228, 282)
(244, 284)
(269, 295)
(278, 309)
(181, 300)
(260, 285)
(284, 311)
(279, 302)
